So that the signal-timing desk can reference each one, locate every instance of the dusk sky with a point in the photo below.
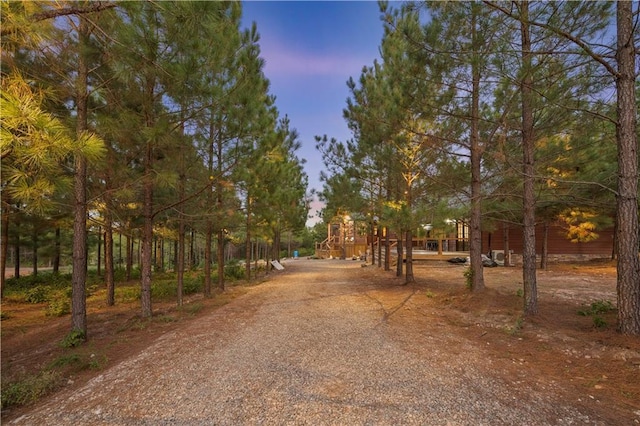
(311, 49)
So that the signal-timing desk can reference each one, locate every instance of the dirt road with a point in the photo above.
(323, 342)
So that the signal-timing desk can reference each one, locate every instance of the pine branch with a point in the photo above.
(97, 6)
(583, 45)
(93, 7)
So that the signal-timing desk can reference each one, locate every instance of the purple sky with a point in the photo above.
(311, 48)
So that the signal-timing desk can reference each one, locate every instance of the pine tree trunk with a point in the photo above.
(179, 265)
(387, 247)
(4, 238)
(475, 240)
(129, 254)
(79, 252)
(35, 251)
(108, 259)
(373, 244)
(220, 251)
(400, 255)
(147, 214)
(528, 170)
(16, 249)
(379, 240)
(627, 236)
(505, 239)
(544, 256)
(409, 278)
(247, 245)
(147, 239)
(208, 258)
(99, 248)
(56, 251)
(180, 259)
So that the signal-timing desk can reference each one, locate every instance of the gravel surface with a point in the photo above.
(313, 345)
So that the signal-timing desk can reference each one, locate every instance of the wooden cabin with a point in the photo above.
(347, 239)
(559, 247)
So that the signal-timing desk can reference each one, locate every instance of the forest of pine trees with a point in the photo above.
(139, 122)
(147, 121)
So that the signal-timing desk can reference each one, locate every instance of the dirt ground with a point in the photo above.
(595, 364)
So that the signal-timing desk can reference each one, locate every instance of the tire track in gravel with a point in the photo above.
(310, 346)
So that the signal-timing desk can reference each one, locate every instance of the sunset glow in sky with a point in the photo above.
(311, 49)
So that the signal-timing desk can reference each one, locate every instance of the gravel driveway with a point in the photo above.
(311, 346)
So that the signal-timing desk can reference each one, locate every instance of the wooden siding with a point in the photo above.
(558, 244)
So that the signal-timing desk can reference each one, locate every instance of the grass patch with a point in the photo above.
(517, 326)
(192, 308)
(97, 362)
(165, 318)
(65, 361)
(30, 388)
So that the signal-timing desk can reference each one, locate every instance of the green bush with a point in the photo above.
(46, 279)
(58, 306)
(234, 271)
(127, 294)
(468, 276)
(192, 285)
(599, 322)
(38, 294)
(597, 307)
(73, 339)
(163, 289)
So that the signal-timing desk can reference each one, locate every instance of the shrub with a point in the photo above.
(58, 306)
(73, 339)
(597, 307)
(599, 322)
(46, 279)
(127, 294)
(468, 275)
(595, 310)
(192, 285)
(163, 289)
(234, 271)
(38, 294)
